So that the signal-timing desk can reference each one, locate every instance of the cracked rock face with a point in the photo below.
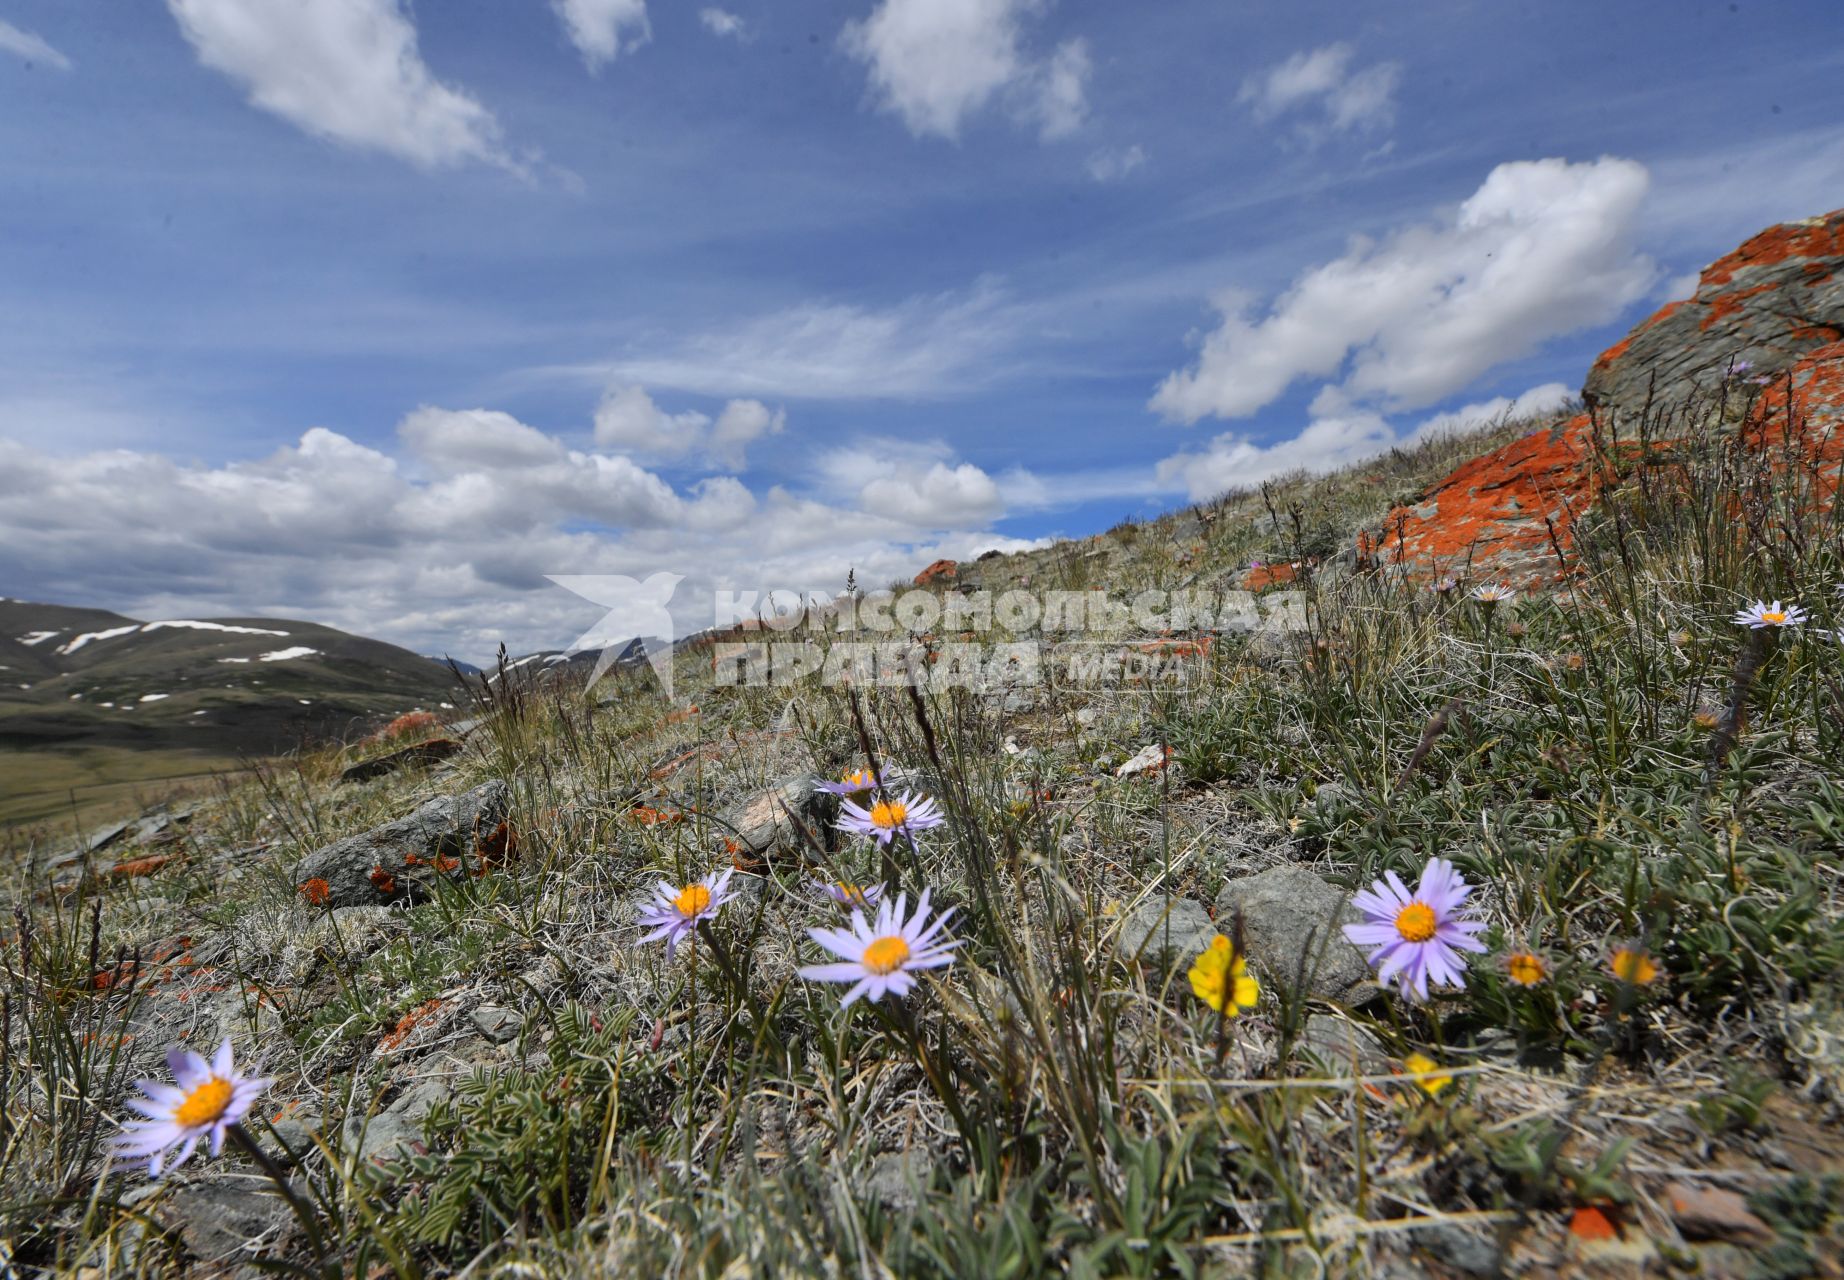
(1771, 302)
(399, 859)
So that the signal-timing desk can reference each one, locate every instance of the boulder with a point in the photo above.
(400, 859)
(940, 571)
(416, 756)
(1291, 925)
(1774, 300)
(1160, 937)
(761, 823)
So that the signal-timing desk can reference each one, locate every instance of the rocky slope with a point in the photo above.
(1756, 347)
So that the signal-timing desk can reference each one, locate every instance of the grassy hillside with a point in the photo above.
(96, 708)
(489, 1071)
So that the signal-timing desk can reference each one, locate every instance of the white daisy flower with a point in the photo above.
(676, 911)
(884, 956)
(1493, 593)
(1760, 614)
(204, 1101)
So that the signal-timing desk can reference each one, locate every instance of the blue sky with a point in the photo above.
(378, 314)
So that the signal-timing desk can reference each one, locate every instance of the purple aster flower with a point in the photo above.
(1417, 936)
(675, 912)
(883, 955)
(907, 813)
(856, 783)
(204, 1101)
(848, 894)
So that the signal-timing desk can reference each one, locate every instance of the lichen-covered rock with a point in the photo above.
(1775, 305)
(400, 859)
(940, 571)
(1291, 926)
(1772, 301)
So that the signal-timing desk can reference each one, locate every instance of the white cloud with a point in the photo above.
(1337, 436)
(345, 70)
(603, 29)
(721, 22)
(914, 482)
(1058, 99)
(1346, 101)
(926, 346)
(1111, 164)
(629, 420)
(31, 47)
(1680, 287)
(446, 547)
(740, 423)
(1542, 248)
(937, 62)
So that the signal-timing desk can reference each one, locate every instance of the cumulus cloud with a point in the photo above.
(444, 543)
(1337, 435)
(914, 482)
(721, 22)
(603, 29)
(31, 47)
(345, 70)
(937, 62)
(629, 420)
(925, 346)
(1542, 248)
(1321, 85)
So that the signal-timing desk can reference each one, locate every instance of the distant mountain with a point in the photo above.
(72, 678)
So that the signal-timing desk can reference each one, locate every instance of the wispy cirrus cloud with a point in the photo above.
(1324, 93)
(928, 346)
(31, 47)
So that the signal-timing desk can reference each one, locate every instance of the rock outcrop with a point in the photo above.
(447, 836)
(1762, 339)
(1774, 300)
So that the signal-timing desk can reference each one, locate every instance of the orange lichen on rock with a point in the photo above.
(407, 724)
(1270, 575)
(316, 892)
(140, 866)
(937, 572)
(408, 1023)
(1812, 238)
(383, 881)
(1495, 514)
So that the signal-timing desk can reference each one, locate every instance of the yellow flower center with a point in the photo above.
(1526, 968)
(1415, 922)
(692, 899)
(205, 1103)
(1773, 617)
(889, 814)
(851, 892)
(1633, 966)
(859, 781)
(886, 955)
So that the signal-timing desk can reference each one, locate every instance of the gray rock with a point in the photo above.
(1291, 924)
(898, 1178)
(397, 1131)
(447, 827)
(228, 1221)
(762, 821)
(1334, 1041)
(1464, 1251)
(1159, 937)
(497, 1024)
(1331, 796)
